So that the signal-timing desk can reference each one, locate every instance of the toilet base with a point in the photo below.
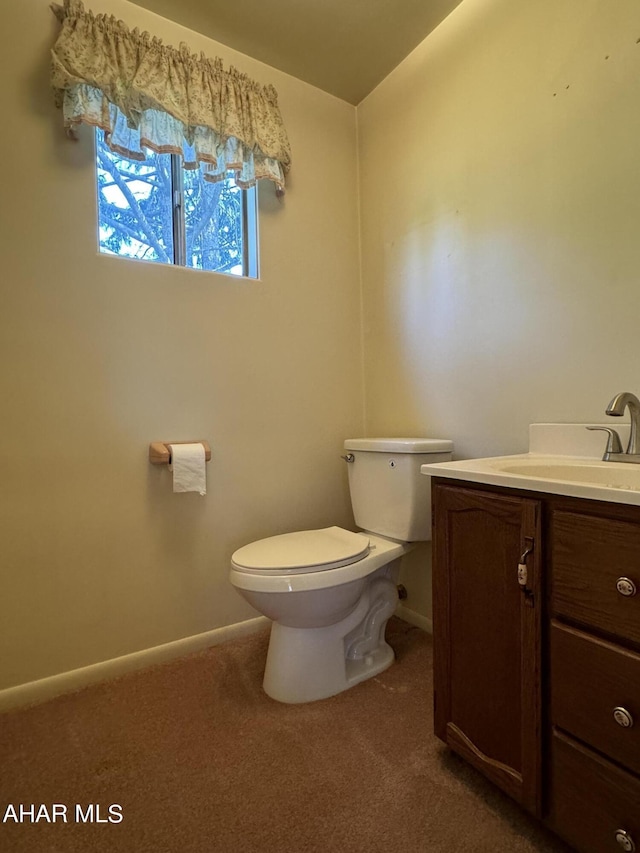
(379, 660)
(306, 664)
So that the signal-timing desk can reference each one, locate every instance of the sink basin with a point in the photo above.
(611, 475)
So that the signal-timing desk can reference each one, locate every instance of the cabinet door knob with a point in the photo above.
(622, 717)
(626, 587)
(625, 840)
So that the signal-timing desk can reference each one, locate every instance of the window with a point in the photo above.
(158, 211)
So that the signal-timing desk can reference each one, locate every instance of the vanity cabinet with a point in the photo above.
(594, 687)
(487, 634)
(537, 684)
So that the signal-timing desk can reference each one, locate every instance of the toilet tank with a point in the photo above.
(389, 495)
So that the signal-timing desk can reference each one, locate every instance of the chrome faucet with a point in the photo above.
(616, 408)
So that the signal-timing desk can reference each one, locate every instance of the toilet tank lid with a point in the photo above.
(400, 445)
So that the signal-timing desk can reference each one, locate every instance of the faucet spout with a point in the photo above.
(616, 408)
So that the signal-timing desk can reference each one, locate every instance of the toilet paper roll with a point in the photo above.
(189, 468)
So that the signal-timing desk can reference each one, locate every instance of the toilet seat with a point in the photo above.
(380, 552)
(302, 552)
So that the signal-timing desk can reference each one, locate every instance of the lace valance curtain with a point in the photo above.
(145, 94)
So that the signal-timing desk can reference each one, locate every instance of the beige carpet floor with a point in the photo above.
(200, 760)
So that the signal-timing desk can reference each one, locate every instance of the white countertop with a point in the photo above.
(488, 471)
(554, 467)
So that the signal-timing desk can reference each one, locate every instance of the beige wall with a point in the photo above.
(100, 356)
(498, 173)
(500, 197)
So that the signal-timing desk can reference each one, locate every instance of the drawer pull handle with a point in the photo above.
(626, 587)
(625, 840)
(622, 717)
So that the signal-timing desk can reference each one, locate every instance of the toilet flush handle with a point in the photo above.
(348, 458)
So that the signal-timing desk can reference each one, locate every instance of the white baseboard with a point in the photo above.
(34, 692)
(414, 618)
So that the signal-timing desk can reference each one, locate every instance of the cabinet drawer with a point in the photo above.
(592, 800)
(593, 684)
(589, 556)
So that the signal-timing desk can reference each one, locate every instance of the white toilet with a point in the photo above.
(330, 592)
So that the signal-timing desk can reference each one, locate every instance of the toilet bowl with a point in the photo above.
(330, 592)
(320, 623)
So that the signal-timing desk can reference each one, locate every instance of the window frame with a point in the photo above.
(248, 216)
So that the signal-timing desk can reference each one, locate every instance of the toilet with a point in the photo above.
(330, 592)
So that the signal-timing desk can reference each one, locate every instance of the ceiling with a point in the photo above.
(345, 47)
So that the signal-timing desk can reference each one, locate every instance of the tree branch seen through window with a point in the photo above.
(157, 211)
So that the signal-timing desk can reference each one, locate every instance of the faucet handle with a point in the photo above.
(613, 441)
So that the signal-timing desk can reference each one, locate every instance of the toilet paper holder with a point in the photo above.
(160, 452)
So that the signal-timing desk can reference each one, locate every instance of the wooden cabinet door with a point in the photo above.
(487, 635)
